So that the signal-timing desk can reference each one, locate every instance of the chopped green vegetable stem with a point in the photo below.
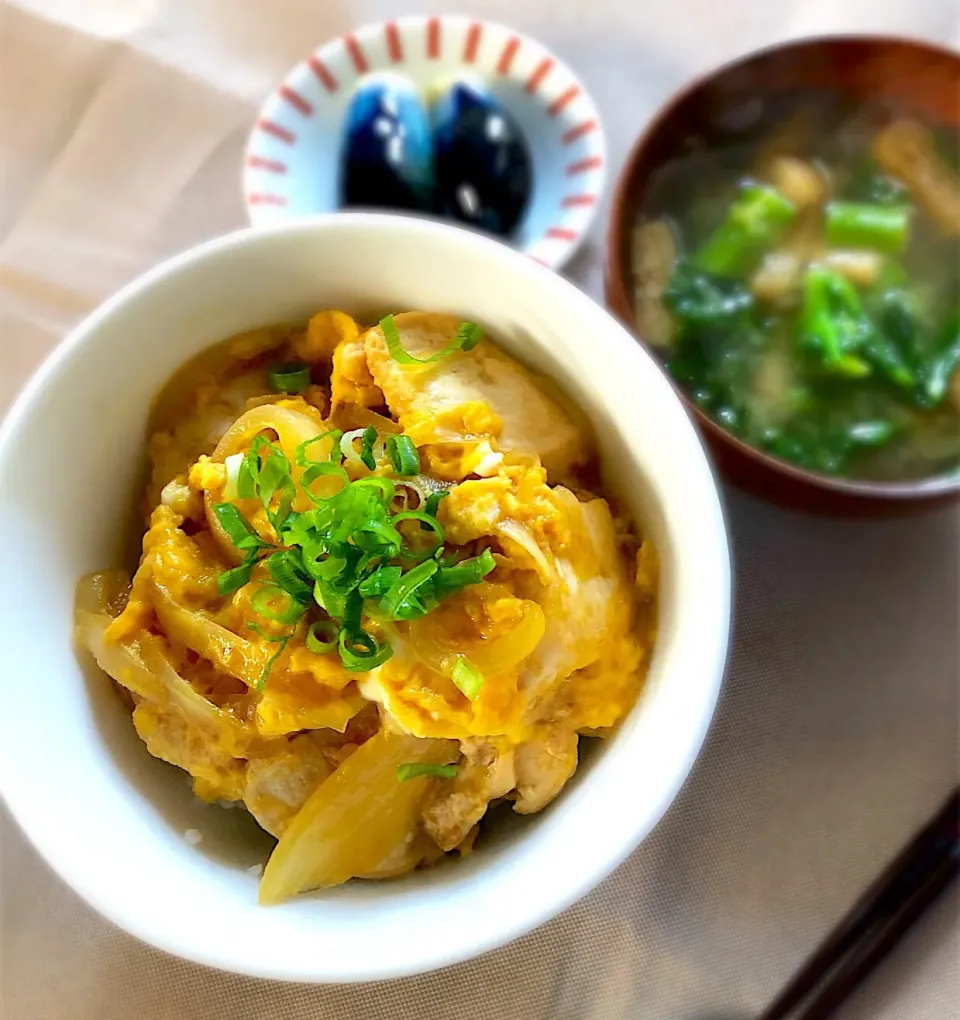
(754, 223)
(468, 335)
(875, 227)
(415, 769)
(290, 378)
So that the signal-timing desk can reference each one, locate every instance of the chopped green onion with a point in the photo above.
(265, 599)
(384, 487)
(337, 594)
(467, 677)
(275, 478)
(352, 611)
(317, 471)
(328, 568)
(290, 378)
(403, 456)
(281, 639)
(265, 672)
(246, 480)
(344, 550)
(450, 580)
(266, 478)
(431, 523)
(406, 586)
(287, 570)
(304, 460)
(366, 447)
(322, 636)
(370, 562)
(468, 335)
(230, 580)
(413, 769)
(360, 651)
(257, 628)
(433, 502)
(238, 529)
(377, 584)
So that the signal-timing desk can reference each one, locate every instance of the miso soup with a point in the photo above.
(803, 283)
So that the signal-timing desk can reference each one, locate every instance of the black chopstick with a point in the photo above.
(876, 922)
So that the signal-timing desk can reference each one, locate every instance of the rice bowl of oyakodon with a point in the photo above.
(386, 537)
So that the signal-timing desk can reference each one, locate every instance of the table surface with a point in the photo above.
(121, 129)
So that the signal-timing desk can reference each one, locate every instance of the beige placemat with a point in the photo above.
(121, 127)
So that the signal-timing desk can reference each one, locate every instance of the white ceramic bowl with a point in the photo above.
(111, 820)
(292, 155)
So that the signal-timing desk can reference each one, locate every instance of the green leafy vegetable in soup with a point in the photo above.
(809, 300)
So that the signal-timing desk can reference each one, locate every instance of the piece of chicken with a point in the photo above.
(438, 403)
(582, 607)
(543, 766)
(217, 775)
(455, 807)
(278, 786)
(350, 380)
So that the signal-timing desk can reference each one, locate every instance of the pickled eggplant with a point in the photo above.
(387, 158)
(483, 165)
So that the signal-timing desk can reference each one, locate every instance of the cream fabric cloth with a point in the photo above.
(121, 127)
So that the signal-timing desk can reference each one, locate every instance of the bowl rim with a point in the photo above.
(617, 292)
(120, 909)
(564, 244)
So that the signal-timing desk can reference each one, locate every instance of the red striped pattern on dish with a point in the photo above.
(472, 44)
(323, 74)
(357, 55)
(394, 42)
(509, 52)
(295, 100)
(273, 166)
(277, 130)
(433, 38)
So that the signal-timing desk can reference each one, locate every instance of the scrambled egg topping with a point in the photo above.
(560, 630)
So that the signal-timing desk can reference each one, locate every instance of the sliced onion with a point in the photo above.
(352, 416)
(404, 488)
(356, 819)
(350, 453)
(292, 429)
(141, 666)
(105, 591)
(114, 659)
(516, 532)
(229, 652)
(450, 631)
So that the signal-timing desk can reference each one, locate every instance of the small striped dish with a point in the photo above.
(291, 160)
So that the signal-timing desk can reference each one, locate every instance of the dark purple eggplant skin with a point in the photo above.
(387, 155)
(483, 167)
